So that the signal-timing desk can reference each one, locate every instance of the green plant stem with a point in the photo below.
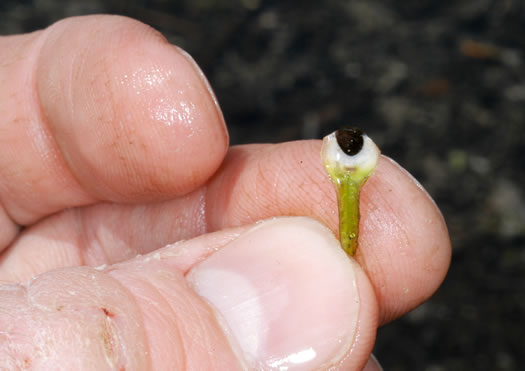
(348, 203)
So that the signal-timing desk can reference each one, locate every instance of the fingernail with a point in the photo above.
(285, 293)
(372, 364)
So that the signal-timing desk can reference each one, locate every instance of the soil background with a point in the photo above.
(438, 84)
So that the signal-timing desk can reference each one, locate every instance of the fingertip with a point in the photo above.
(133, 116)
(289, 296)
(404, 245)
(404, 242)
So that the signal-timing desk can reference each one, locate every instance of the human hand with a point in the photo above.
(112, 145)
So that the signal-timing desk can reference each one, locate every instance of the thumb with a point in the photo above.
(277, 295)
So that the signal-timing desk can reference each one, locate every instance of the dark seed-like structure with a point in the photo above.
(350, 140)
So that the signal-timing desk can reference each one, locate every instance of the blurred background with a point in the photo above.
(438, 84)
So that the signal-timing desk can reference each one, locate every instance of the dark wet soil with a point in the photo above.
(439, 85)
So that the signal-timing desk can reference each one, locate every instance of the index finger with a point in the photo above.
(100, 108)
(403, 244)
